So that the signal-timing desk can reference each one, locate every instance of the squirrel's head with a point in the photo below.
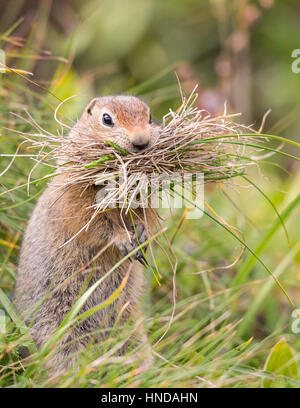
(124, 120)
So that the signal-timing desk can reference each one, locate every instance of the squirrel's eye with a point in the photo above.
(150, 119)
(107, 120)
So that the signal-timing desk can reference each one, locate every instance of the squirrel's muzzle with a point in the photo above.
(140, 141)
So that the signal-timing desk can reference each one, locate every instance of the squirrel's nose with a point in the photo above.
(140, 142)
(140, 146)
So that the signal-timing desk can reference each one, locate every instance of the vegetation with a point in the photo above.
(232, 325)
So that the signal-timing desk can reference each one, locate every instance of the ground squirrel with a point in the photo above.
(45, 263)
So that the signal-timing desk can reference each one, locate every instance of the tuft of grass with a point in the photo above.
(188, 141)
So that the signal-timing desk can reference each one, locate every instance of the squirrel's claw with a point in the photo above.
(139, 256)
(138, 237)
(122, 248)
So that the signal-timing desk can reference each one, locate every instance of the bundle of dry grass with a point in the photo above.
(188, 141)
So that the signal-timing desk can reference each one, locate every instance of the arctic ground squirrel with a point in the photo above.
(55, 260)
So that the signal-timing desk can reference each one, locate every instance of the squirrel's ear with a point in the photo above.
(90, 106)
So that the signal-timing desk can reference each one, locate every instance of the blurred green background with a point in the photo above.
(237, 51)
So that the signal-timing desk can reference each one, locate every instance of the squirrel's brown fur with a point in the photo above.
(46, 263)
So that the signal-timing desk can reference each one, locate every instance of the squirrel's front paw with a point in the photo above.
(137, 237)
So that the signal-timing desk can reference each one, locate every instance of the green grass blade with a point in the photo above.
(271, 203)
(265, 290)
(253, 253)
(246, 268)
